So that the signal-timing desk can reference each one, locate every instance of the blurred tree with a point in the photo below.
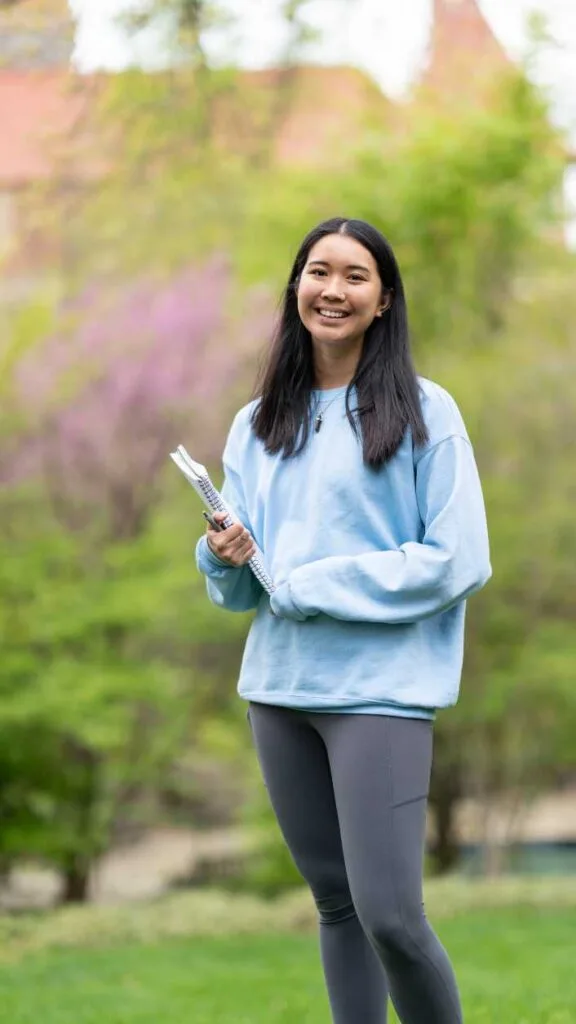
(107, 635)
(108, 398)
(511, 732)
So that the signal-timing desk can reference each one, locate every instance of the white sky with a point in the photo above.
(385, 37)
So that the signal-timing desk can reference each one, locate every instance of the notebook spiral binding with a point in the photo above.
(197, 476)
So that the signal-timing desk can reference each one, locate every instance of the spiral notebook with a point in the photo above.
(197, 476)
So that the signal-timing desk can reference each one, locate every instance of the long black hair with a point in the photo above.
(385, 379)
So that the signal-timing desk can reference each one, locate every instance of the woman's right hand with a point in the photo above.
(233, 545)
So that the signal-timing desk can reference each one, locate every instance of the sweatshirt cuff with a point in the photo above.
(303, 590)
(282, 604)
(207, 562)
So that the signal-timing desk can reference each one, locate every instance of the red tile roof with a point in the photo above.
(464, 52)
(41, 112)
(38, 109)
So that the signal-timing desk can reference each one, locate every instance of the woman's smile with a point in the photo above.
(332, 314)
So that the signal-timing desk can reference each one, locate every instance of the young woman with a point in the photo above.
(357, 481)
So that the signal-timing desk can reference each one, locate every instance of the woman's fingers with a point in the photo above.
(233, 545)
(240, 553)
(245, 553)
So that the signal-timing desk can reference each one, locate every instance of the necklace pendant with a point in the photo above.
(317, 423)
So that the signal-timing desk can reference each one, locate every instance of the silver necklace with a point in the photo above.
(319, 416)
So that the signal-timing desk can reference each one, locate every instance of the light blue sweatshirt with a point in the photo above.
(372, 568)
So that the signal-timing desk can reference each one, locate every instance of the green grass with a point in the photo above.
(515, 965)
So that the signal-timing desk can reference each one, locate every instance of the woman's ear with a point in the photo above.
(386, 302)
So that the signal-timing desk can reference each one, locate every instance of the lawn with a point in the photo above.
(516, 965)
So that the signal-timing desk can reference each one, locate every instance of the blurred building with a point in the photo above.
(38, 107)
(464, 55)
(45, 123)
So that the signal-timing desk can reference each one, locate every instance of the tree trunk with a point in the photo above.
(445, 850)
(82, 800)
(76, 882)
(446, 786)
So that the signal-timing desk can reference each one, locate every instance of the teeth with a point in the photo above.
(333, 313)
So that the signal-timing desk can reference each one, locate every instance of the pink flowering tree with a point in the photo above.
(139, 370)
(104, 672)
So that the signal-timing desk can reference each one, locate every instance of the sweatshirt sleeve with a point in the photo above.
(230, 587)
(419, 579)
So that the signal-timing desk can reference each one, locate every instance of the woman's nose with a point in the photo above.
(333, 290)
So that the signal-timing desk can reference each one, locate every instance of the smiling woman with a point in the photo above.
(375, 535)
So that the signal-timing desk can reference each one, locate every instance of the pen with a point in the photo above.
(210, 519)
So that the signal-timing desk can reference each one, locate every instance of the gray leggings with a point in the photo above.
(349, 792)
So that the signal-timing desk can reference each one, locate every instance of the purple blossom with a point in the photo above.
(138, 369)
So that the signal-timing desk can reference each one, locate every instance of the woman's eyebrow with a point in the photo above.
(351, 266)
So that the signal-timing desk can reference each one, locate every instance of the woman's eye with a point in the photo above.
(357, 278)
(318, 272)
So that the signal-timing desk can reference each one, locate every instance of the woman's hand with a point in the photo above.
(233, 545)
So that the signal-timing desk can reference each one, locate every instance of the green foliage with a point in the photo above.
(102, 683)
(518, 709)
(463, 196)
(270, 870)
(21, 329)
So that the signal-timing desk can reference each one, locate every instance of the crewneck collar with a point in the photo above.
(329, 392)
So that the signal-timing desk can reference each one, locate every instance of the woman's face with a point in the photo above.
(339, 292)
